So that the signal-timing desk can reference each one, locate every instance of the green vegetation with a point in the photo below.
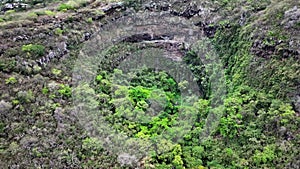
(71, 5)
(133, 109)
(49, 13)
(25, 96)
(34, 49)
(33, 15)
(58, 31)
(45, 90)
(65, 90)
(64, 7)
(90, 20)
(8, 16)
(56, 72)
(9, 12)
(257, 43)
(11, 80)
(15, 102)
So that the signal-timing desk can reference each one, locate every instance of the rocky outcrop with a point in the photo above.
(5, 106)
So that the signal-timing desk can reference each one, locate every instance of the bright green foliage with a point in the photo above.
(15, 102)
(249, 116)
(11, 80)
(9, 12)
(266, 156)
(56, 72)
(58, 31)
(90, 20)
(132, 108)
(279, 114)
(138, 93)
(65, 90)
(65, 7)
(45, 90)
(98, 78)
(33, 15)
(49, 13)
(34, 49)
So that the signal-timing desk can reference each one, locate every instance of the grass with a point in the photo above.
(9, 12)
(49, 13)
(33, 15)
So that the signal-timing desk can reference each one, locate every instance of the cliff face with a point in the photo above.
(244, 56)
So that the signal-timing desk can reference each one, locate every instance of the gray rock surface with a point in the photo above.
(4, 106)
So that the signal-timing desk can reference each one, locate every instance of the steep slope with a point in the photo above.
(256, 42)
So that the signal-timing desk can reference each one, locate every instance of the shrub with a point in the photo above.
(7, 64)
(9, 15)
(267, 155)
(138, 93)
(65, 7)
(92, 146)
(49, 13)
(65, 90)
(25, 96)
(89, 20)
(11, 80)
(15, 102)
(38, 50)
(9, 12)
(56, 72)
(58, 31)
(33, 15)
(45, 90)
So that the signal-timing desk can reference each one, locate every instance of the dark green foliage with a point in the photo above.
(7, 64)
(136, 4)
(25, 96)
(198, 69)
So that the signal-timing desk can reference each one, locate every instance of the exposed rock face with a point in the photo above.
(291, 21)
(13, 6)
(5, 106)
(291, 18)
(60, 51)
(126, 159)
(296, 101)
